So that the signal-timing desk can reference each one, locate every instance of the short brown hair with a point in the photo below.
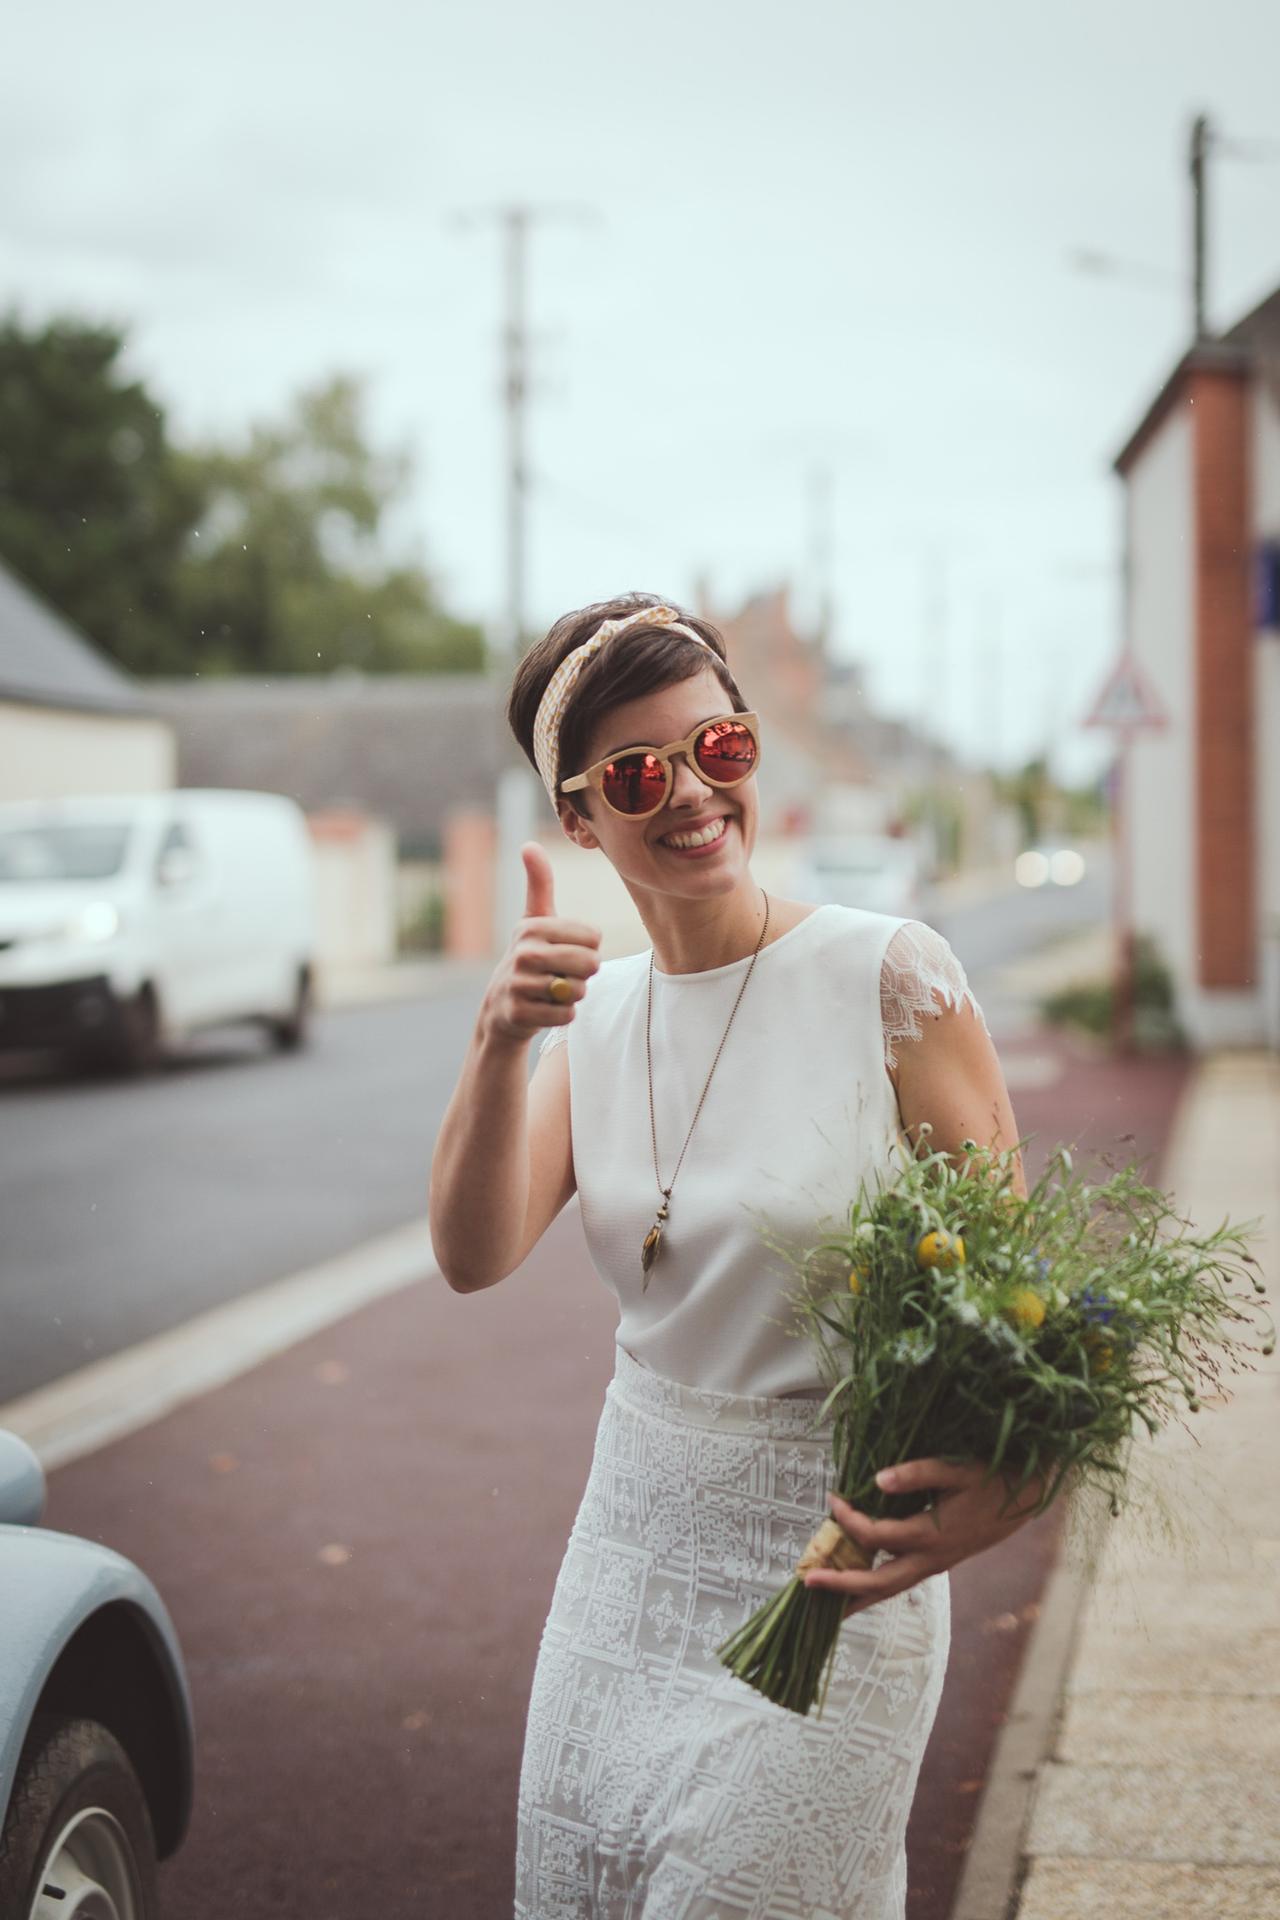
(641, 660)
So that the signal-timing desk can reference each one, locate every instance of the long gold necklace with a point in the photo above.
(653, 1239)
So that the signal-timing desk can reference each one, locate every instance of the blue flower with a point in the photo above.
(1096, 1308)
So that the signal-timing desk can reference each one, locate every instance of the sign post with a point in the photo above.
(1125, 706)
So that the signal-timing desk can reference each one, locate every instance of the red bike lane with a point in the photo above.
(358, 1542)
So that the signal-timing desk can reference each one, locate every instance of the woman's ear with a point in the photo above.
(575, 827)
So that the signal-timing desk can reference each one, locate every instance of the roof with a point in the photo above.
(1259, 330)
(46, 662)
(1209, 356)
(1253, 338)
(406, 747)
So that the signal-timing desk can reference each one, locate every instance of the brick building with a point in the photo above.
(1201, 476)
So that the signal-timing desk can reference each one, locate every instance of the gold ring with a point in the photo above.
(560, 990)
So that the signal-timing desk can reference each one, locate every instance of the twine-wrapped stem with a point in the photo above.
(831, 1546)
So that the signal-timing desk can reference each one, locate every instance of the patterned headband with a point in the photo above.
(555, 698)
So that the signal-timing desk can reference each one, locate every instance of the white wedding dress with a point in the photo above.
(654, 1784)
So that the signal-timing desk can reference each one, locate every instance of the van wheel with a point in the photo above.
(135, 1042)
(77, 1838)
(294, 1030)
(139, 1045)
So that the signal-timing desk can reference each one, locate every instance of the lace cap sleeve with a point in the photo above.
(919, 975)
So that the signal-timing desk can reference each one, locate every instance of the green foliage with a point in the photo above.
(286, 571)
(95, 507)
(1090, 1004)
(424, 930)
(954, 1319)
(263, 557)
(1031, 793)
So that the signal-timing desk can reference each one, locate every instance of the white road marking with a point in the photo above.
(112, 1397)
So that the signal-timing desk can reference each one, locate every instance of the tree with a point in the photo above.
(286, 571)
(267, 557)
(95, 507)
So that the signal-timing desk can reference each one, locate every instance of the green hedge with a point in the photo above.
(1089, 1004)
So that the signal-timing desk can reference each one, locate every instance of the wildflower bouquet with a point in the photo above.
(956, 1319)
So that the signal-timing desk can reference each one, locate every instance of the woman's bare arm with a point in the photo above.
(950, 1077)
(503, 1162)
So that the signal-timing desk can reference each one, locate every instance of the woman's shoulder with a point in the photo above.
(842, 935)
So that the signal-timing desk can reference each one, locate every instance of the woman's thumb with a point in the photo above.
(540, 896)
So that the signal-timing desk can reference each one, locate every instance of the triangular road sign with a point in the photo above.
(1127, 700)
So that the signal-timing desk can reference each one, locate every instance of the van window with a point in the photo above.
(92, 851)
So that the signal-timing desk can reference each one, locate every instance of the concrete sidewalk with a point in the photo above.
(1152, 1686)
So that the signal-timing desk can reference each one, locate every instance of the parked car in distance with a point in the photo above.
(96, 1744)
(130, 921)
(1055, 866)
(878, 871)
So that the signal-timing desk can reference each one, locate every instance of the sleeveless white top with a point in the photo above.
(799, 1112)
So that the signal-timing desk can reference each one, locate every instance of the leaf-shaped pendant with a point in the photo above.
(652, 1242)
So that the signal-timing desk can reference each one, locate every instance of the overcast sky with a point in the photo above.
(823, 233)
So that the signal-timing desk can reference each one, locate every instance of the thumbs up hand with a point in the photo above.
(517, 1003)
(539, 900)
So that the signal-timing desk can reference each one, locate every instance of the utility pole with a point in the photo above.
(515, 222)
(517, 788)
(933, 699)
(1200, 140)
(821, 492)
(515, 342)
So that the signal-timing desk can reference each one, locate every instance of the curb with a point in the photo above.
(340, 988)
(993, 1870)
(995, 1864)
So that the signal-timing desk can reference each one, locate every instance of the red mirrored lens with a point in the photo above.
(726, 751)
(634, 783)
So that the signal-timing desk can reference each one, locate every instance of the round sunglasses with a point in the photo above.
(724, 751)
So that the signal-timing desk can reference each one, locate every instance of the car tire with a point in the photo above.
(76, 1809)
(140, 1048)
(292, 1033)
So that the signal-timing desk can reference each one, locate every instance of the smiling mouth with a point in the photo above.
(704, 837)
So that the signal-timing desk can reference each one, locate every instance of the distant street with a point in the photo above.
(128, 1207)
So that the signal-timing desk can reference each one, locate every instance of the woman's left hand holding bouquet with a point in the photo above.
(950, 1080)
(966, 1518)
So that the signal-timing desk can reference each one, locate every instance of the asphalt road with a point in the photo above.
(128, 1207)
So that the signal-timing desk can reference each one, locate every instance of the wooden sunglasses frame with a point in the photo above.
(594, 776)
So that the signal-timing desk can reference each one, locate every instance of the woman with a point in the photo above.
(752, 1067)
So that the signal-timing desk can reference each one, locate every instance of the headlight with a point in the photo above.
(98, 921)
(1031, 869)
(1066, 867)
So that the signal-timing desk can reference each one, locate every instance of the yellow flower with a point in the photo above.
(939, 1249)
(1099, 1352)
(856, 1277)
(1025, 1310)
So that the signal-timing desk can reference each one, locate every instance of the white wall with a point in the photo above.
(48, 754)
(1161, 798)
(355, 891)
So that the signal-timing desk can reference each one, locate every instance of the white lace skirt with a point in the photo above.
(655, 1785)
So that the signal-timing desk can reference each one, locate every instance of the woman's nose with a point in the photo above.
(687, 786)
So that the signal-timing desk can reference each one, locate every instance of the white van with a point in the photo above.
(129, 921)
